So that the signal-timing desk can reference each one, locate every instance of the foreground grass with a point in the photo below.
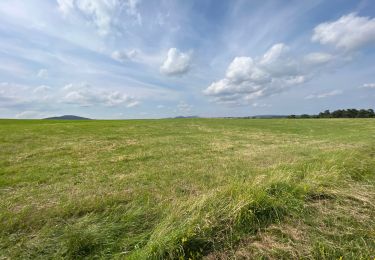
(190, 188)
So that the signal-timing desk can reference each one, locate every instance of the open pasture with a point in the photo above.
(187, 188)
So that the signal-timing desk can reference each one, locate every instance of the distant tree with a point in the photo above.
(371, 112)
(352, 112)
(337, 113)
(362, 113)
(340, 113)
(325, 114)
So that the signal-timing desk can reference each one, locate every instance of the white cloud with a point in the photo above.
(324, 95)
(123, 56)
(349, 32)
(86, 96)
(104, 14)
(65, 6)
(42, 73)
(279, 61)
(177, 63)
(243, 69)
(368, 85)
(247, 79)
(100, 12)
(133, 10)
(318, 58)
(274, 54)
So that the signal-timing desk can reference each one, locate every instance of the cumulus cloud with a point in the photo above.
(103, 14)
(247, 79)
(243, 69)
(349, 32)
(86, 96)
(177, 63)
(324, 95)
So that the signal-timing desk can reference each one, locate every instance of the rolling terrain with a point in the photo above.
(188, 188)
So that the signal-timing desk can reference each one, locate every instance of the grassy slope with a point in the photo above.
(187, 188)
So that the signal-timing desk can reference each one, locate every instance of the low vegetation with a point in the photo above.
(188, 188)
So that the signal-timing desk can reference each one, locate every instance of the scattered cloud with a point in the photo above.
(349, 32)
(368, 85)
(324, 95)
(247, 79)
(86, 96)
(177, 63)
(150, 41)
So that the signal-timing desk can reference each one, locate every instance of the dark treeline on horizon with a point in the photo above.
(341, 113)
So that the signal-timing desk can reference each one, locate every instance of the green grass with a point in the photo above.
(187, 188)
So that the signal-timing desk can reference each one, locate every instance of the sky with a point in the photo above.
(123, 59)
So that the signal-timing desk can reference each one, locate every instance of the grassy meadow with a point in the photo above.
(187, 188)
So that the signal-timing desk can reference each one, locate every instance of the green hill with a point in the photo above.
(67, 117)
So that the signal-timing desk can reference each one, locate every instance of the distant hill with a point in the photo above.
(258, 116)
(186, 117)
(67, 117)
(270, 116)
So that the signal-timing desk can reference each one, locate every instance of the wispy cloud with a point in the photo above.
(368, 85)
(239, 53)
(325, 94)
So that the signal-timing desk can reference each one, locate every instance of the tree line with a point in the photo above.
(341, 113)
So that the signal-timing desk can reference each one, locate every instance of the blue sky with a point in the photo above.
(151, 59)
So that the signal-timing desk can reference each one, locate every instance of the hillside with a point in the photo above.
(192, 188)
(67, 117)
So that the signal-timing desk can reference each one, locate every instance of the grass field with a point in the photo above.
(188, 188)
